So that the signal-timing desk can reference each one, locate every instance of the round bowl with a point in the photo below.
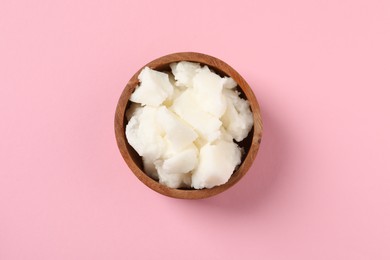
(250, 144)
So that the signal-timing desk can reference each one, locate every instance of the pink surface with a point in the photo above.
(319, 189)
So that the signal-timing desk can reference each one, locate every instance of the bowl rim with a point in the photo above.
(222, 68)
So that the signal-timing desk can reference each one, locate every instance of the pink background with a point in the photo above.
(319, 189)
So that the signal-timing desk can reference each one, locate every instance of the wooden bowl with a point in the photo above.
(250, 144)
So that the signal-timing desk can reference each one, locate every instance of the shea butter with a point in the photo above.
(186, 124)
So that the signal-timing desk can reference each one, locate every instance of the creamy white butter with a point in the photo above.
(184, 125)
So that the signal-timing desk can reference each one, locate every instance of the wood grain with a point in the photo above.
(250, 144)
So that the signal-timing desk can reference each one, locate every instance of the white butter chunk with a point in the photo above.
(238, 118)
(177, 132)
(208, 91)
(154, 88)
(184, 72)
(149, 167)
(182, 162)
(229, 83)
(175, 180)
(216, 164)
(187, 107)
(144, 134)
